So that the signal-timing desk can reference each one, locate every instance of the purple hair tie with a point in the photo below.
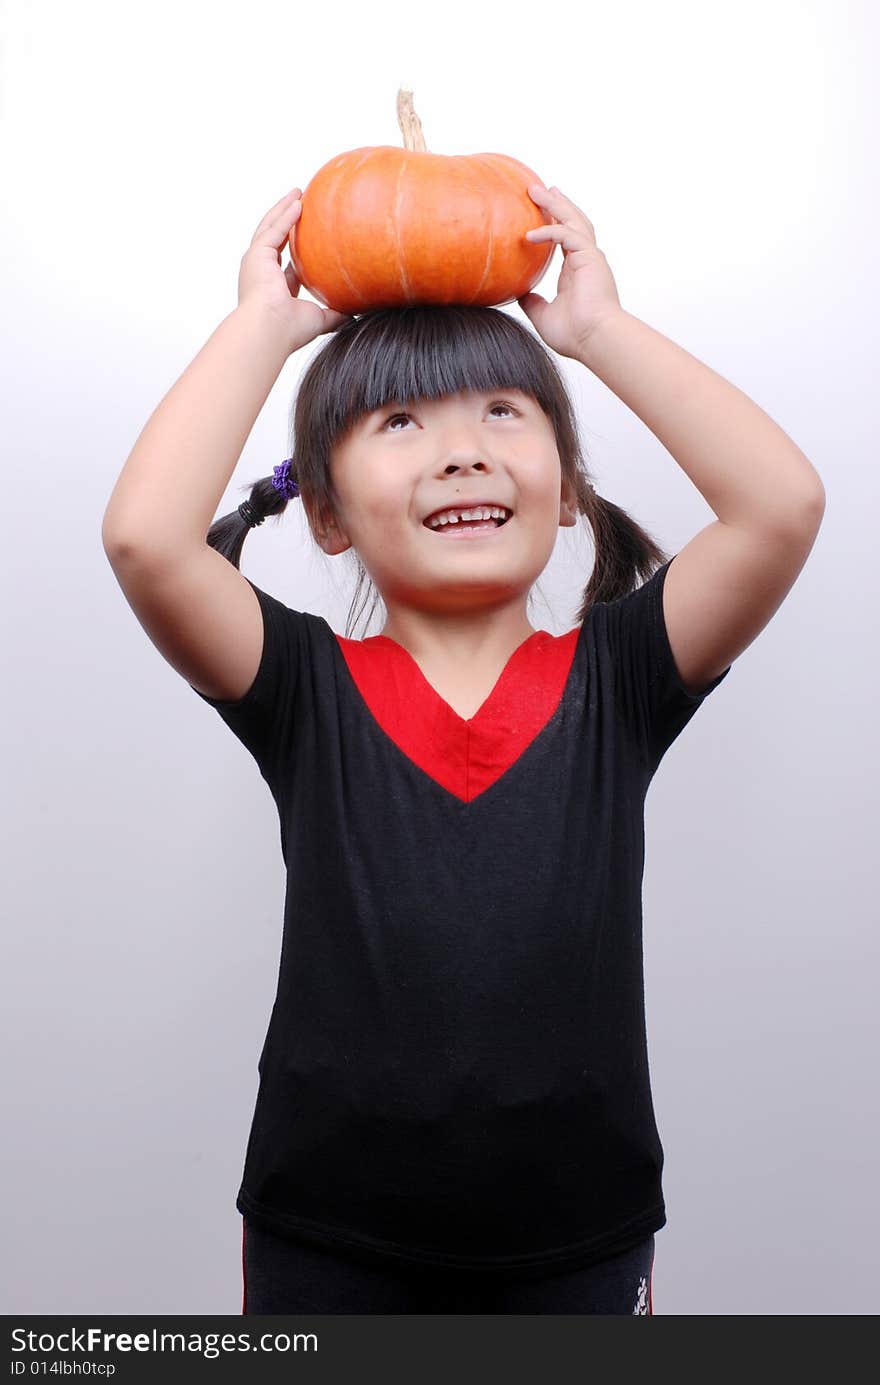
(283, 481)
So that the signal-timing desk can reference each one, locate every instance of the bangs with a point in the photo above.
(400, 355)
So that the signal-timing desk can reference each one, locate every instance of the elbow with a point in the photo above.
(115, 544)
(814, 506)
(804, 516)
(815, 498)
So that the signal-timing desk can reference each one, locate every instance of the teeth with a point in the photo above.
(481, 512)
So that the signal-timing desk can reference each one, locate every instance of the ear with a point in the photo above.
(329, 534)
(568, 511)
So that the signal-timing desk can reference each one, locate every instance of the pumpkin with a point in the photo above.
(382, 226)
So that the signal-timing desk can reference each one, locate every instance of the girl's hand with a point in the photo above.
(262, 281)
(586, 293)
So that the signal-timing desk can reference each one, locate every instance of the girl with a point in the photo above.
(454, 1109)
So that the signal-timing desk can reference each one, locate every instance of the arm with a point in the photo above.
(726, 583)
(197, 608)
(167, 494)
(746, 468)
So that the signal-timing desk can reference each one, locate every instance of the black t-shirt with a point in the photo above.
(455, 1070)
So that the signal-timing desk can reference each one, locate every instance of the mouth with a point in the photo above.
(473, 520)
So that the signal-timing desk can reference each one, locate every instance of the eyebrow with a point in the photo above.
(483, 394)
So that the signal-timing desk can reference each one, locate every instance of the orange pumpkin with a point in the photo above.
(382, 227)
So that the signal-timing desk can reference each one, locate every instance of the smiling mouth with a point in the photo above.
(468, 528)
(460, 527)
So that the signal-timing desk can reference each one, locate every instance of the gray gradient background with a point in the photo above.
(724, 159)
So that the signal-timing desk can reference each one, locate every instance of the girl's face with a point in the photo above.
(405, 462)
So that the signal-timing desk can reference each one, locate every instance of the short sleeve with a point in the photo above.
(263, 719)
(649, 687)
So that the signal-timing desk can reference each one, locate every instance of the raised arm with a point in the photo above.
(726, 583)
(195, 606)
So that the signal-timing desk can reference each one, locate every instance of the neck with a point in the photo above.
(464, 634)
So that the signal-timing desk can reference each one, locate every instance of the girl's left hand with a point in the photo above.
(586, 293)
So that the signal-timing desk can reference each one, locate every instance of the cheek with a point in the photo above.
(380, 514)
(388, 491)
(387, 507)
(539, 483)
(367, 493)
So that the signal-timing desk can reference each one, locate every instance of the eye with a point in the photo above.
(392, 419)
(499, 404)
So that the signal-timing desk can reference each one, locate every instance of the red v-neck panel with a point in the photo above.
(464, 756)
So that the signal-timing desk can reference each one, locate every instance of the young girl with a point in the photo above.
(454, 1110)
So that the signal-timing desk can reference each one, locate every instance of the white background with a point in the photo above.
(727, 158)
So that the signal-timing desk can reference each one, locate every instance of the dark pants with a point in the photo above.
(283, 1276)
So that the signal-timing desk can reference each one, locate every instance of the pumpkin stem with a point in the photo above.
(410, 125)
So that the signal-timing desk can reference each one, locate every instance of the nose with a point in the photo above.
(465, 458)
(464, 468)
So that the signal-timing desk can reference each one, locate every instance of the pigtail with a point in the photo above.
(269, 496)
(624, 551)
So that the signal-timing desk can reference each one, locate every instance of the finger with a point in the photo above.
(276, 232)
(334, 319)
(568, 236)
(558, 203)
(279, 208)
(534, 307)
(282, 202)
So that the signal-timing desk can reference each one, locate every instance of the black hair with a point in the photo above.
(427, 351)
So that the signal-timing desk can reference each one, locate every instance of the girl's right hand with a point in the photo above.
(262, 281)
